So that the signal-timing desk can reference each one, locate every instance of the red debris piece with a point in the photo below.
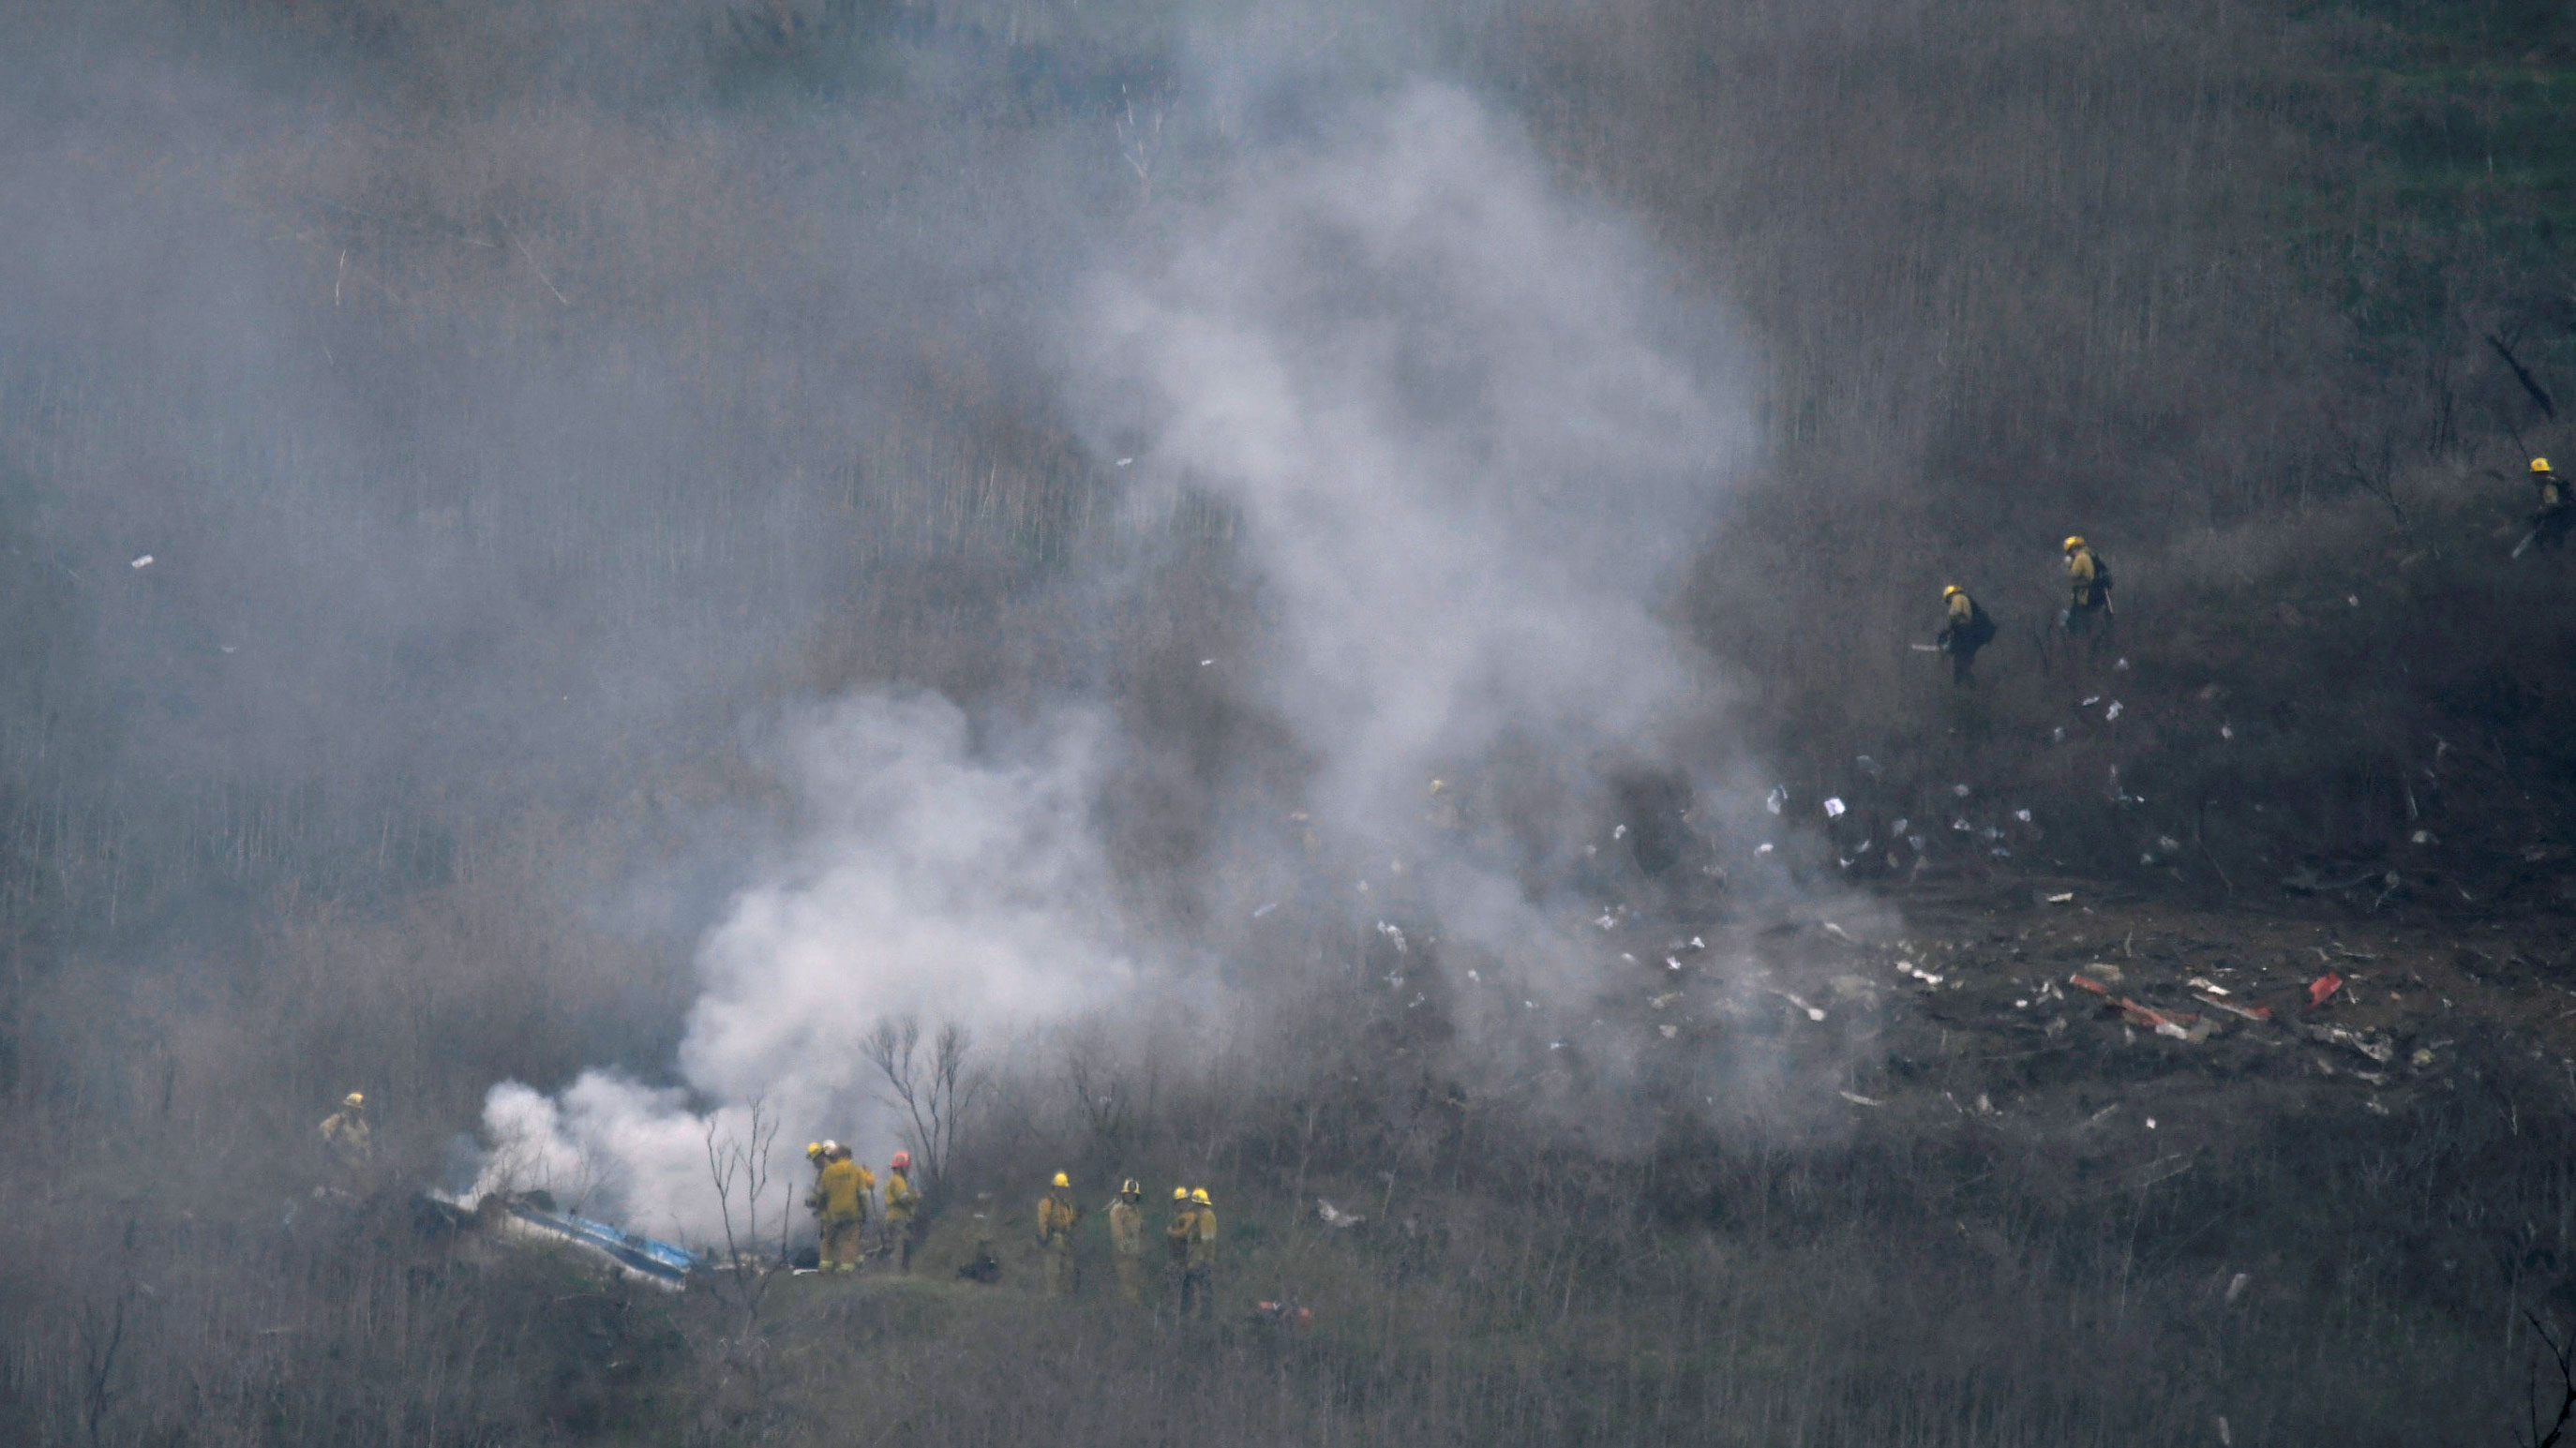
(2323, 988)
(2087, 982)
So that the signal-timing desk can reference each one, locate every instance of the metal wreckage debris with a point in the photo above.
(532, 1221)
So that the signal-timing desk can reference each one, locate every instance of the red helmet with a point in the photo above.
(903, 1161)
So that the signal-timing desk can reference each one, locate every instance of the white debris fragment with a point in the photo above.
(1838, 933)
(1266, 909)
(2113, 712)
(2061, 897)
(1669, 1031)
(2202, 982)
(143, 562)
(2235, 1289)
(1858, 1100)
(2089, 701)
(1607, 921)
(2168, 843)
(1833, 809)
(1471, 975)
(2120, 664)
(1763, 849)
(1122, 462)
(1813, 1013)
(2226, 731)
(1618, 832)
(1899, 827)
(1670, 963)
(1962, 826)
(2421, 837)
(2057, 735)
(1778, 797)
(2022, 815)
(1960, 790)
(1203, 663)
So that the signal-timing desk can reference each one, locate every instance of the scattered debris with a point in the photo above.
(1814, 1013)
(143, 562)
(2322, 989)
(1960, 790)
(1779, 796)
(2103, 971)
(2236, 1289)
(2257, 1014)
(1669, 1031)
(2378, 1048)
(2060, 897)
(2113, 712)
(1838, 933)
(1856, 1099)
(2203, 983)
(1266, 909)
(1335, 1218)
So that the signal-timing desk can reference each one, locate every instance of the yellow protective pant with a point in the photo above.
(1059, 1267)
(841, 1243)
(1131, 1279)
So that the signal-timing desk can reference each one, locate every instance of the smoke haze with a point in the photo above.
(1472, 431)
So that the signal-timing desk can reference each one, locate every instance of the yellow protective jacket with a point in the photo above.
(1202, 1244)
(1056, 1216)
(348, 1135)
(1963, 609)
(1126, 1229)
(900, 1197)
(844, 1200)
(1185, 1225)
(2079, 577)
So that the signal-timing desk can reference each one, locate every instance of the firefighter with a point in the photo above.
(1056, 1216)
(2088, 588)
(1176, 1237)
(2554, 512)
(347, 1134)
(900, 1202)
(1198, 1267)
(1127, 1242)
(1965, 628)
(844, 1210)
(818, 1155)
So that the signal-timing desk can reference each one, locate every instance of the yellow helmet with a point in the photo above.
(1949, 593)
(2540, 465)
(1199, 1196)
(354, 1098)
(2072, 544)
(1062, 1180)
(1129, 1188)
(813, 1149)
(1180, 1194)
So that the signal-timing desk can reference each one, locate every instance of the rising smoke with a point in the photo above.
(1473, 430)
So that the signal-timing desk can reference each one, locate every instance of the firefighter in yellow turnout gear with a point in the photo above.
(1056, 1217)
(2553, 512)
(841, 1204)
(901, 1202)
(347, 1134)
(1965, 628)
(1127, 1242)
(1176, 1237)
(1198, 1260)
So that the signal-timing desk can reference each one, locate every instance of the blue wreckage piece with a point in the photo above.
(657, 1262)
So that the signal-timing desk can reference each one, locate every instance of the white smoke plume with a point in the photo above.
(1474, 434)
(934, 874)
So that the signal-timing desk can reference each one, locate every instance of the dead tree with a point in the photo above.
(2563, 1357)
(930, 1094)
(740, 1168)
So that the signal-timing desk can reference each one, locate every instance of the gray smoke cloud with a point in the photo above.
(1474, 430)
